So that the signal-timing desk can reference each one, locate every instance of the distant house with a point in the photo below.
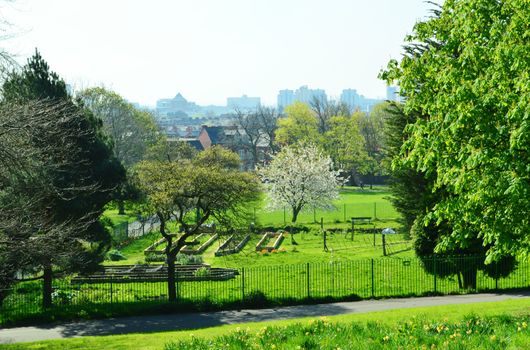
(235, 139)
(193, 142)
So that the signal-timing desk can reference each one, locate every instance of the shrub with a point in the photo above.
(62, 297)
(185, 259)
(155, 258)
(202, 272)
(256, 298)
(115, 255)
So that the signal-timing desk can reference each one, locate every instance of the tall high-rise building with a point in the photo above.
(351, 98)
(306, 95)
(285, 98)
(302, 94)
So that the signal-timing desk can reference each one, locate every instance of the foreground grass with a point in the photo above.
(497, 328)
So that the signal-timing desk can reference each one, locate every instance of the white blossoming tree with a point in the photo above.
(301, 176)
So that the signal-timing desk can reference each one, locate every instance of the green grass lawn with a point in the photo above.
(118, 219)
(353, 202)
(504, 320)
(309, 247)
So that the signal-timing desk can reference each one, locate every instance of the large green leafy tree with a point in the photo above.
(132, 131)
(210, 185)
(87, 172)
(372, 128)
(466, 70)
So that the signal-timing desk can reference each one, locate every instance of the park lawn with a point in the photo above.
(352, 202)
(134, 251)
(309, 247)
(118, 219)
(427, 315)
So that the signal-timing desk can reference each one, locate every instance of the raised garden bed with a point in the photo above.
(155, 273)
(264, 243)
(231, 246)
(202, 247)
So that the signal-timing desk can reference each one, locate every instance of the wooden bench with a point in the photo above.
(361, 219)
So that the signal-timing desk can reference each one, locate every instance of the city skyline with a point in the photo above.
(209, 50)
(351, 97)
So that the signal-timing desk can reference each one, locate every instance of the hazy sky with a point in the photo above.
(211, 49)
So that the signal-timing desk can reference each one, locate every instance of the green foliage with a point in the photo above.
(299, 125)
(217, 157)
(470, 332)
(466, 68)
(115, 255)
(345, 144)
(202, 272)
(65, 194)
(132, 131)
(186, 259)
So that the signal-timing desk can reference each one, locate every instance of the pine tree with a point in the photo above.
(83, 179)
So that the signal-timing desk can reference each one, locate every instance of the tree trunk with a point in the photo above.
(171, 288)
(296, 211)
(121, 207)
(470, 278)
(47, 286)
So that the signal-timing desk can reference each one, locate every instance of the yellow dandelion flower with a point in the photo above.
(386, 338)
(525, 325)
(469, 331)
(493, 337)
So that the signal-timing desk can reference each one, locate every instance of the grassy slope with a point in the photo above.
(310, 247)
(148, 341)
(358, 203)
(117, 219)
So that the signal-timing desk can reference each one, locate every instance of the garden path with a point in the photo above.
(172, 322)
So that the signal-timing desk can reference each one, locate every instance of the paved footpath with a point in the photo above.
(172, 322)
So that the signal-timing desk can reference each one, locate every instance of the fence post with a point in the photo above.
(111, 299)
(373, 287)
(434, 269)
(497, 275)
(344, 212)
(314, 214)
(284, 222)
(375, 210)
(307, 273)
(243, 284)
(352, 228)
(177, 282)
(383, 237)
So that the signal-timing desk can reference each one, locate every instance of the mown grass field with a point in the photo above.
(353, 202)
(309, 247)
(504, 320)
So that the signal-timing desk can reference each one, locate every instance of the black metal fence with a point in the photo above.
(124, 231)
(260, 286)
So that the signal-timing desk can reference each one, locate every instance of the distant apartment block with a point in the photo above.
(243, 103)
(285, 98)
(357, 102)
(302, 94)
